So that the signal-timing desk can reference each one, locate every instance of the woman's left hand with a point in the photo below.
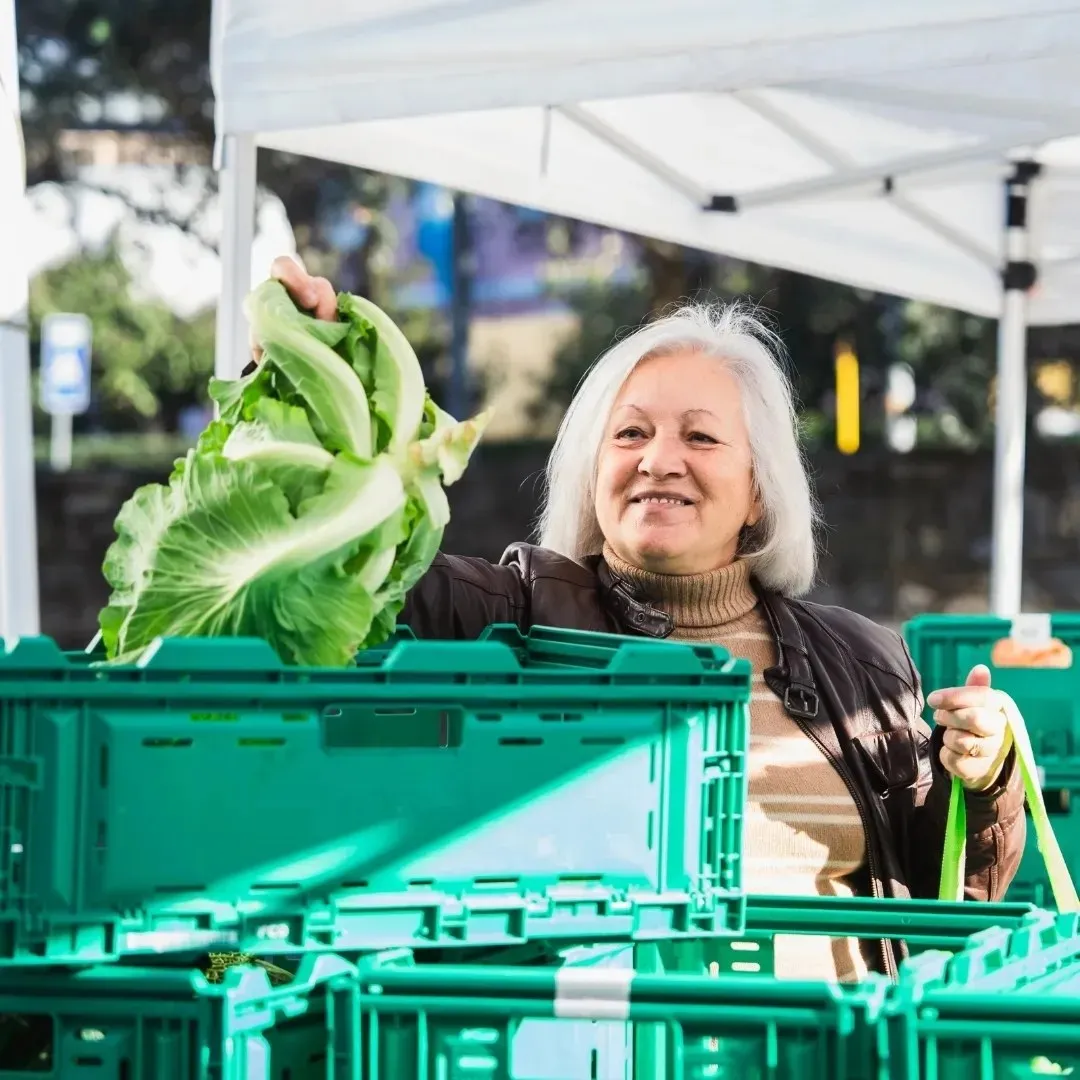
(977, 739)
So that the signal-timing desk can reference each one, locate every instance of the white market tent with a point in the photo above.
(867, 143)
(767, 134)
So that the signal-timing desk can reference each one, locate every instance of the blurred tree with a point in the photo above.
(675, 274)
(102, 62)
(952, 354)
(148, 364)
(605, 315)
(809, 314)
(145, 65)
(954, 358)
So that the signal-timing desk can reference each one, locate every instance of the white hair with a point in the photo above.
(781, 547)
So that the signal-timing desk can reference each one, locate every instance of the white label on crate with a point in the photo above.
(593, 993)
(160, 941)
(1031, 629)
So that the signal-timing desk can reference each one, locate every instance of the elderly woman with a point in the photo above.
(678, 507)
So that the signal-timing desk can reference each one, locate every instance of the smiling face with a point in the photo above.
(674, 485)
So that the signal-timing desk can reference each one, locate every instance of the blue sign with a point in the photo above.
(65, 364)
(435, 234)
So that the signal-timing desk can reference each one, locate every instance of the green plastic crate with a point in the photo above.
(724, 1024)
(402, 1017)
(395, 1021)
(555, 784)
(1006, 1007)
(513, 1024)
(639, 1050)
(118, 1023)
(94, 653)
(546, 1047)
(922, 924)
(946, 647)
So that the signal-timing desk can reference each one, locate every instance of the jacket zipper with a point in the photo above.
(876, 888)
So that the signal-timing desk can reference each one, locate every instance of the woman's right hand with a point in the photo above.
(314, 294)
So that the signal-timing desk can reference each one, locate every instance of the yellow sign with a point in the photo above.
(847, 399)
(1054, 378)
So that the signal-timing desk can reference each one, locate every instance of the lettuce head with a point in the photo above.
(311, 506)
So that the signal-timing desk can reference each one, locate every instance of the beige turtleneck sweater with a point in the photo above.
(803, 831)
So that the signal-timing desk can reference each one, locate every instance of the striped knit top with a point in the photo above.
(803, 831)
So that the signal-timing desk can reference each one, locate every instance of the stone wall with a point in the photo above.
(904, 534)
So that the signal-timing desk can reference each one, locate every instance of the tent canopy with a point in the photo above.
(847, 140)
(867, 143)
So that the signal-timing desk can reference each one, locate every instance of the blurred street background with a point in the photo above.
(504, 305)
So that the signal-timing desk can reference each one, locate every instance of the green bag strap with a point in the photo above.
(952, 861)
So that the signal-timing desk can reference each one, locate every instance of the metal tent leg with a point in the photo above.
(1007, 561)
(237, 168)
(19, 614)
(458, 398)
(19, 611)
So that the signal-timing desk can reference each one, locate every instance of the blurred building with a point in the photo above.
(525, 266)
(152, 190)
(524, 261)
(104, 146)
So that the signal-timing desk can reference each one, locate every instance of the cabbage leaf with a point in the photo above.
(311, 506)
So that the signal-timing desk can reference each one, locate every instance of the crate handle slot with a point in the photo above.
(362, 726)
(496, 883)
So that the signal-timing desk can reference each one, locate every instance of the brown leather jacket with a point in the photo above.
(848, 683)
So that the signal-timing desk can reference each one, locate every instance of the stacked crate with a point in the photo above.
(1007, 1007)
(511, 859)
(194, 842)
(392, 1016)
(1032, 659)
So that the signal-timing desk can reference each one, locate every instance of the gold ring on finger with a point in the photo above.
(975, 750)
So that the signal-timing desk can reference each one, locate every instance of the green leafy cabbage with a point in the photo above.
(311, 506)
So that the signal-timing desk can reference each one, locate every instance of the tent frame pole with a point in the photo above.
(20, 614)
(841, 164)
(1010, 434)
(236, 162)
(19, 589)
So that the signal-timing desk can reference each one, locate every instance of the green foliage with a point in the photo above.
(605, 314)
(78, 58)
(148, 363)
(150, 452)
(953, 355)
(809, 315)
